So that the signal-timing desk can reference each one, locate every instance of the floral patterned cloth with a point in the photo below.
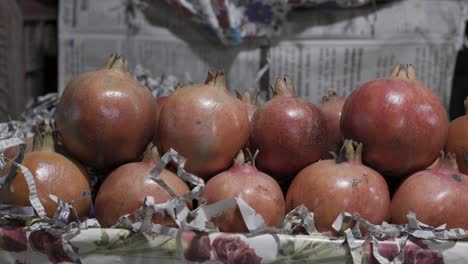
(416, 251)
(233, 20)
(231, 249)
(43, 242)
(101, 246)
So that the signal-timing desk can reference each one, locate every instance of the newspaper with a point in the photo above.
(86, 53)
(345, 48)
(320, 49)
(318, 66)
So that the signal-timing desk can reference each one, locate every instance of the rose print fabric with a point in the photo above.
(233, 20)
(96, 245)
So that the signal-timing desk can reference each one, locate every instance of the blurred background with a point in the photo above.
(322, 45)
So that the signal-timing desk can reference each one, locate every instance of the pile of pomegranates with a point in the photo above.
(204, 123)
(106, 118)
(394, 127)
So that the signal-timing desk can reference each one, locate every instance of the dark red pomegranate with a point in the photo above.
(53, 174)
(258, 190)
(105, 117)
(435, 195)
(329, 187)
(331, 107)
(125, 189)
(402, 124)
(205, 124)
(289, 132)
(458, 140)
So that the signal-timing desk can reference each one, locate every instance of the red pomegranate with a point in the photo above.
(161, 100)
(106, 118)
(289, 132)
(329, 187)
(205, 124)
(53, 174)
(257, 189)
(331, 107)
(394, 117)
(435, 195)
(125, 189)
(458, 140)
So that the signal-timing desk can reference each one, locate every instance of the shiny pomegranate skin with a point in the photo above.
(125, 189)
(105, 118)
(53, 173)
(329, 187)
(435, 195)
(403, 125)
(289, 132)
(206, 125)
(257, 189)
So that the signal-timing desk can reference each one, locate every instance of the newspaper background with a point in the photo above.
(320, 48)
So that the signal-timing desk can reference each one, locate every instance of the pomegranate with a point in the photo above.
(161, 100)
(106, 118)
(331, 108)
(437, 196)
(125, 189)
(53, 174)
(250, 101)
(330, 187)
(289, 132)
(205, 124)
(458, 140)
(394, 118)
(257, 189)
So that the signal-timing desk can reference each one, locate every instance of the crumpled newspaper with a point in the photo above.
(40, 108)
(233, 20)
(160, 85)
